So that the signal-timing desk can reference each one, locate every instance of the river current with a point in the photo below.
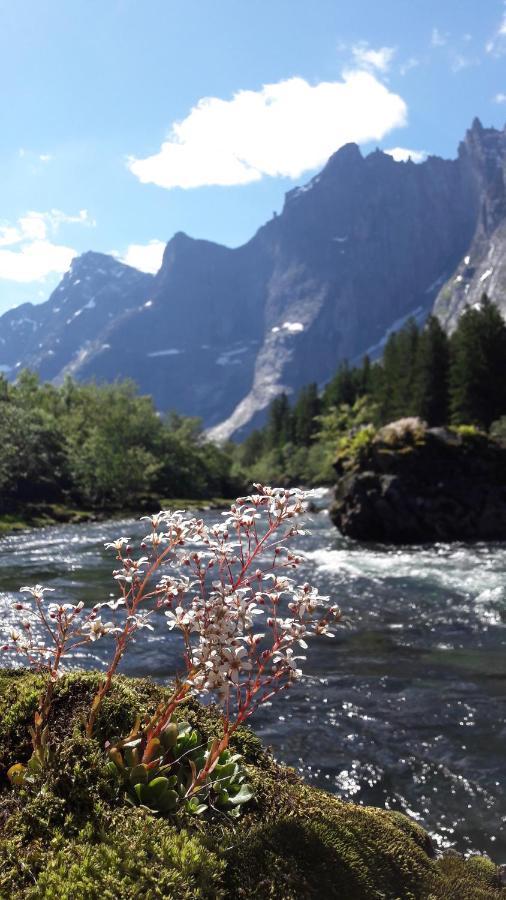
(405, 709)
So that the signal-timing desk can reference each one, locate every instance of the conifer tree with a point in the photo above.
(253, 447)
(395, 387)
(279, 422)
(342, 388)
(478, 366)
(430, 388)
(305, 411)
(365, 379)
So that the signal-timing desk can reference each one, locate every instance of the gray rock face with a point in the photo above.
(422, 485)
(483, 267)
(71, 330)
(218, 332)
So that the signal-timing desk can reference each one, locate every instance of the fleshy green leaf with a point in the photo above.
(156, 788)
(169, 736)
(139, 774)
(244, 794)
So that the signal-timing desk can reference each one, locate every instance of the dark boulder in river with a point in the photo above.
(408, 483)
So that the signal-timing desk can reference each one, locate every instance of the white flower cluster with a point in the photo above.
(49, 631)
(241, 617)
(235, 583)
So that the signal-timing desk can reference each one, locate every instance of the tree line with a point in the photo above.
(445, 380)
(105, 446)
(100, 446)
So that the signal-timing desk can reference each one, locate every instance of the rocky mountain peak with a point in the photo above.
(218, 332)
(348, 154)
(482, 159)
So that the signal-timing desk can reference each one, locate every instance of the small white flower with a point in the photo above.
(117, 544)
(98, 629)
(141, 620)
(114, 604)
(36, 591)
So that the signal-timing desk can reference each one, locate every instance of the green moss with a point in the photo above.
(473, 879)
(18, 701)
(135, 857)
(483, 869)
(70, 835)
(468, 431)
(354, 445)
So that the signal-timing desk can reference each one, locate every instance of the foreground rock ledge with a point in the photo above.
(73, 837)
(407, 483)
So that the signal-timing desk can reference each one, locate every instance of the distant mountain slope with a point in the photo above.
(218, 332)
(483, 267)
(58, 337)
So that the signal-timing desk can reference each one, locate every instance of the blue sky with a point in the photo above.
(124, 122)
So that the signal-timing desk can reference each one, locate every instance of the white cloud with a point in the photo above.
(502, 27)
(283, 129)
(459, 62)
(33, 261)
(34, 156)
(146, 257)
(456, 50)
(56, 218)
(497, 45)
(437, 39)
(27, 252)
(402, 154)
(367, 58)
(410, 63)
(500, 98)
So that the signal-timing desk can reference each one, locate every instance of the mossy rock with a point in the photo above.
(411, 484)
(71, 837)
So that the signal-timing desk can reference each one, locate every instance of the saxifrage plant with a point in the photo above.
(228, 589)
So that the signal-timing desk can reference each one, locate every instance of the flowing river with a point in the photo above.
(404, 710)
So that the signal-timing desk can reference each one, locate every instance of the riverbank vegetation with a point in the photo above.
(98, 448)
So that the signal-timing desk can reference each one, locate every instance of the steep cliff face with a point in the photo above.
(219, 332)
(193, 342)
(360, 248)
(482, 157)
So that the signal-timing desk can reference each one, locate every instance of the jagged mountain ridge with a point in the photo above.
(218, 332)
(483, 268)
(56, 338)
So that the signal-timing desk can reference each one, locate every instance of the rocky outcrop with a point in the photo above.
(408, 483)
